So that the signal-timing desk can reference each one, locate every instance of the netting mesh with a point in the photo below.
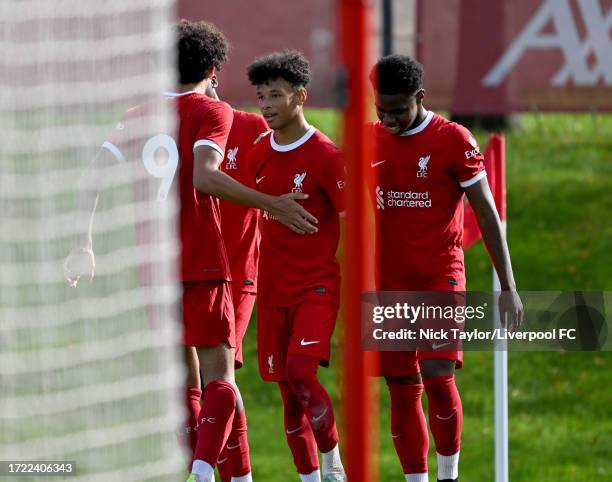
(87, 374)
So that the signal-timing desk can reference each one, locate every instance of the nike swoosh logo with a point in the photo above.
(395, 436)
(435, 346)
(306, 343)
(291, 432)
(374, 164)
(445, 418)
(259, 179)
(221, 461)
(316, 419)
(233, 447)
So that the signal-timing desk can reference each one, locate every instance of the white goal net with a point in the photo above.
(88, 374)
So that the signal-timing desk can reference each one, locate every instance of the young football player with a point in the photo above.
(299, 277)
(429, 164)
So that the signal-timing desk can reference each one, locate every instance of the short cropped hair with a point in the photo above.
(290, 65)
(397, 74)
(200, 48)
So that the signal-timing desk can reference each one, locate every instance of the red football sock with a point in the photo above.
(299, 435)
(193, 397)
(445, 413)
(215, 420)
(408, 427)
(223, 466)
(238, 446)
(301, 372)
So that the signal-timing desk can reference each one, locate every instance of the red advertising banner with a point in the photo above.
(256, 28)
(496, 57)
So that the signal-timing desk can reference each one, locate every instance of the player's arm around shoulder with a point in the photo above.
(208, 178)
(209, 150)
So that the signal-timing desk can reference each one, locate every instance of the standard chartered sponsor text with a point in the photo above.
(408, 199)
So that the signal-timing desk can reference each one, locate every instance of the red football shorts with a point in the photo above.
(208, 314)
(243, 308)
(405, 363)
(302, 329)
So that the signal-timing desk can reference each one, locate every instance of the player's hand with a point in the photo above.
(80, 262)
(510, 309)
(288, 211)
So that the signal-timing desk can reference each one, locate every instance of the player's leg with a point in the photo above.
(408, 425)
(237, 447)
(234, 463)
(208, 320)
(243, 309)
(220, 402)
(317, 406)
(223, 466)
(299, 435)
(445, 412)
(313, 324)
(273, 334)
(193, 397)
(235, 459)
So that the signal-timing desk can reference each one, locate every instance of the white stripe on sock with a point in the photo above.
(448, 466)
(416, 477)
(332, 462)
(312, 477)
(244, 478)
(203, 470)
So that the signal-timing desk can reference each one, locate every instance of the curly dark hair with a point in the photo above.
(200, 48)
(290, 65)
(397, 74)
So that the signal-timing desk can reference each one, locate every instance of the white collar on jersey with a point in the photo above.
(294, 145)
(179, 94)
(420, 127)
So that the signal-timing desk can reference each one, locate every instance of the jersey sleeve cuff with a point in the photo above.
(209, 143)
(474, 180)
(109, 146)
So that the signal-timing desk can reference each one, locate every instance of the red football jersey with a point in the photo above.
(295, 267)
(240, 224)
(419, 202)
(168, 156)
